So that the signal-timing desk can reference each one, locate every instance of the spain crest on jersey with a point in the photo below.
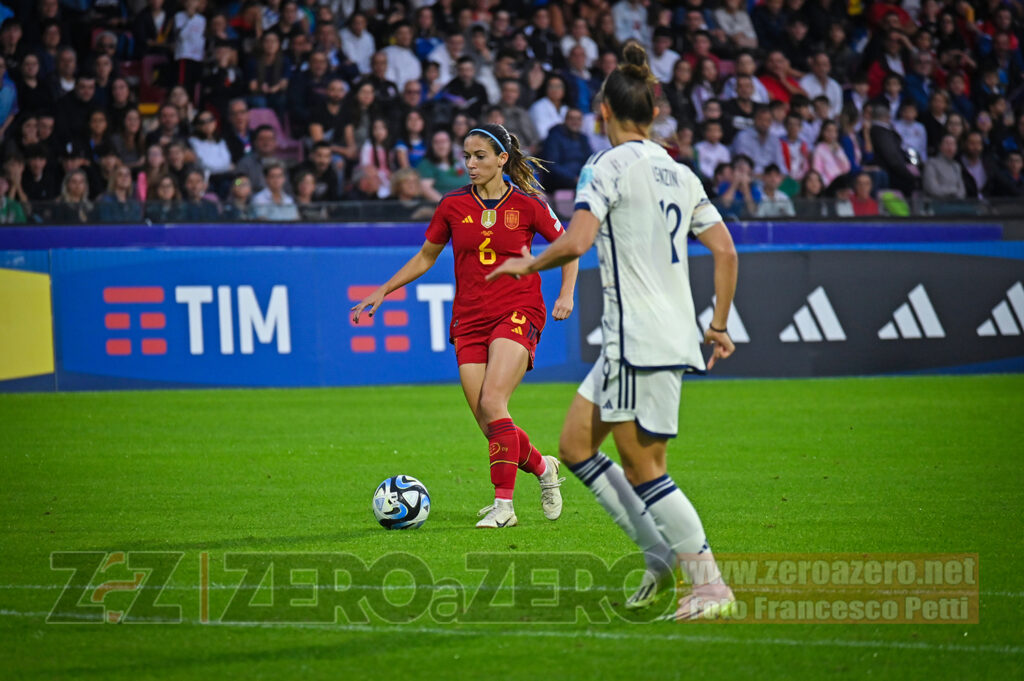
(512, 219)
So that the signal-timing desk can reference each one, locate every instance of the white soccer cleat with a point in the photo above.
(498, 514)
(550, 494)
(708, 601)
(650, 586)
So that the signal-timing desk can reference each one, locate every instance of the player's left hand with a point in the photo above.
(722, 346)
(514, 267)
(562, 308)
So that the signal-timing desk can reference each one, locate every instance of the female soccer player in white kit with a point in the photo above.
(640, 205)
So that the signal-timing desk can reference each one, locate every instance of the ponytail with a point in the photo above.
(519, 167)
(629, 89)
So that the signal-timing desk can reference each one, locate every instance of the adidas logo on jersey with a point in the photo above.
(468, 220)
(911, 323)
(737, 331)
(805, 328)
(1005, 324)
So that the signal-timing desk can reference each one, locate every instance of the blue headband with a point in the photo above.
(500, 145)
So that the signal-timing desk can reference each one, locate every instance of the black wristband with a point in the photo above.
(712, 328)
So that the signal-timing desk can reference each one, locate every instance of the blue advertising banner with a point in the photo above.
(256, 317)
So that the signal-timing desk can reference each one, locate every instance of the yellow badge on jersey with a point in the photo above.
(488, 218)
(512, 219)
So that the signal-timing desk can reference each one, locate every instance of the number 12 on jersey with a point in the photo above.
(668, 210)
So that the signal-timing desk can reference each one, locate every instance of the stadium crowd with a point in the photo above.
(121, 110)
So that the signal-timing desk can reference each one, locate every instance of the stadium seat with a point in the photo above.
(287, 148)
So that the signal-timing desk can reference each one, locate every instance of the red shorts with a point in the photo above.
(472, 347)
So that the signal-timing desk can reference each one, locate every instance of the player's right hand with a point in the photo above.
(372, 301)
(722, 346)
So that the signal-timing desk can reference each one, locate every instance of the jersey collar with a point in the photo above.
(501, 201)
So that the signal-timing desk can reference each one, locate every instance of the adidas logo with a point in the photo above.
(907, 326)
(1005, 324)
(607, 405)
(734, 323)
(804, 328)
(468, 220)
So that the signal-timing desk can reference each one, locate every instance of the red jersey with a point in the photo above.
(484, 234)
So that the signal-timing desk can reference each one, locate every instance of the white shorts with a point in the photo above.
(651, 398)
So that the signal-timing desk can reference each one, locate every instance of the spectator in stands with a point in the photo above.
(238, 135)
(943, 176)
(773, 203)
(178, 161)
(73, 110)
(862, 201)
(663, 57)
(580, 82)
(960, 101)
(327, 183)
(920, 82)
(818, 82)
(62, 80)
(239, 202)
(199, 206)
(98, 139)
(407, 194)
(168, 129)
(888, 152)
(810, 201)
(549, 110)
(460, 128)
(447, 56)
(223, 80)
(154, 168)
(794, 151)
(604, 34)
(427, 37)
(164, 202)
(706, 85)
(829, 159)
(377, 155)
(328, 119)
(103, 70)
(440, 172)
(978, 167)
(13, 201)
(677, 91)
(543, 40)
(934, 119)
(734, 21)
(129, 142)
(305, 202)
(580, 36)
(465, 92)
(1009, 181)
(189, 44)
(74, 156)
(262, 155)
(739, 111)
(40, 182)
(23, 136)
(517, 119)
(33, 95)
(307, 89)
(118, 203)
(769, 21)
(710, 151)
(273, 202)
(757, 144)
(412, 146)
(357, 43)
(268, 76)
(911, 132)
(153, 31)
(956, 126)
(121, 101)
(738, 194)
(631, 21)
(777, 77)
(403, 64)
(567, 149)
(840, 54)
(74, 206)
(365, 186)
(211, 151)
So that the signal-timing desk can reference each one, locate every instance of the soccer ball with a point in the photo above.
(401, 503)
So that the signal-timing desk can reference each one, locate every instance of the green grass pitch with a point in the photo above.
(882, 465)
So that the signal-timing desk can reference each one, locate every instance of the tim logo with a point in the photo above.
(137, 317)
(394, 333)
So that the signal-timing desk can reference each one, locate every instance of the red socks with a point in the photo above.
(503, 443)
(530, 460)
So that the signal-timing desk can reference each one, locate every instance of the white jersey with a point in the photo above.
(647, 205)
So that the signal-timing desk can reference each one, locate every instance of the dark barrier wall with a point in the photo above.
(279, 317)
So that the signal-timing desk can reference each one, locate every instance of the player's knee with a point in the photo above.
(571, 451)
(492, 406)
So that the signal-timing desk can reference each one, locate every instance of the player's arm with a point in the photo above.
(563, 306)
(576, 241)
(718, 240)
(410, 271)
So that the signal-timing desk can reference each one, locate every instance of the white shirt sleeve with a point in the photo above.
(705, 215)
(597, 190)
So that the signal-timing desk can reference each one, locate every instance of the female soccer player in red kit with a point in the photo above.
(495, 325)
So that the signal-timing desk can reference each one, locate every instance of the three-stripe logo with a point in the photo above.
(1005, 324)
(909, 321)
(805, 328)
